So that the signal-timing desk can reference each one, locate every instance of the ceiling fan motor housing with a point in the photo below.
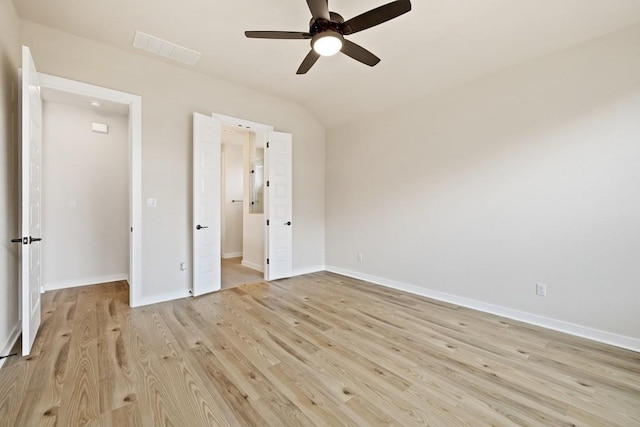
(336, 24)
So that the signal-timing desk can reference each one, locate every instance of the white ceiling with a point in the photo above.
(439, 44)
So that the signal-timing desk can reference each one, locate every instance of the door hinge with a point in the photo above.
(132, 229)
(267, 222)
(267, 261)
(267, 144)
(267, 183)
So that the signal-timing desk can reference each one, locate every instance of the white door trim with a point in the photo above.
(135, 167)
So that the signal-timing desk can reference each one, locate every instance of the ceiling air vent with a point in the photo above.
(164, 48)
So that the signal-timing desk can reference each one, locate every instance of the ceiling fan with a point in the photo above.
(327, 30)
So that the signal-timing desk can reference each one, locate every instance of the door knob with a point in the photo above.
(20, 240)
(34, 239)
(200, 227)
(287, 223)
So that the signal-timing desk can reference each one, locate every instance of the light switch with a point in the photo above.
(152, 203)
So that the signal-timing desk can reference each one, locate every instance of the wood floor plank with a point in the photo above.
(12, 389)
(319, 349)
(125, 416)
(316, 404)
(234, 395)
(153, 392)
(46, 371)
(80, 397)
(115, 376)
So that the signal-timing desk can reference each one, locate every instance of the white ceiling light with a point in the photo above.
(327, 43)
(95, 103)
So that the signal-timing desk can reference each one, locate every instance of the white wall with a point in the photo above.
(254, 223)
(85, 207)
(170, 94)
(9, 63)
(529, 175)
(233, 189)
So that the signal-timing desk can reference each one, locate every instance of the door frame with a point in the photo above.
(135, 167)
(257, 128)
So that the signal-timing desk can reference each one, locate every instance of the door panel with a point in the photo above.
(206, 204)
(30, 193)
(279, 206)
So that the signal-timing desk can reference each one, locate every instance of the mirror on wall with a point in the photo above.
(256, 183)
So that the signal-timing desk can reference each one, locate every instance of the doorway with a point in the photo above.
(131, 107)
(277, 220)
(242, 207)
(30, 186)
(84, 190)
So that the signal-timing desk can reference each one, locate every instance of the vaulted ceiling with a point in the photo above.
(439, 44)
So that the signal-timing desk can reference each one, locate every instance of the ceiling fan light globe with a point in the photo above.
(328, 43)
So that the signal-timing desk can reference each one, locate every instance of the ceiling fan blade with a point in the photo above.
(308, 62)
(376, 16)
(359, 53)
(319, 9)
(277, 35)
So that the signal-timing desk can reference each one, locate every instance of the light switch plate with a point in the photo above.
(152, 203)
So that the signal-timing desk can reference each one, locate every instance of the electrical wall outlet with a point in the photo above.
(541, 289)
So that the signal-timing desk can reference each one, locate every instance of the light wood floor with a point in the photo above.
(319, 349)
(235, 274)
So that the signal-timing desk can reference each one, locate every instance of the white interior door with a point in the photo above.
(278, 197)
(30, 218)
(207, 133)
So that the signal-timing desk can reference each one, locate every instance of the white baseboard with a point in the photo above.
(253, 266)
(622, 341)
(307, 270)
(74, 283)
(11, 341)
(167, 296)
(227, 255)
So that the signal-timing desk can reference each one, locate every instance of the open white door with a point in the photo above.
(278, 198)
(30, 163)
(207, 133)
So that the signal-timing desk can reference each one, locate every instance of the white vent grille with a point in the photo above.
(164, 48)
